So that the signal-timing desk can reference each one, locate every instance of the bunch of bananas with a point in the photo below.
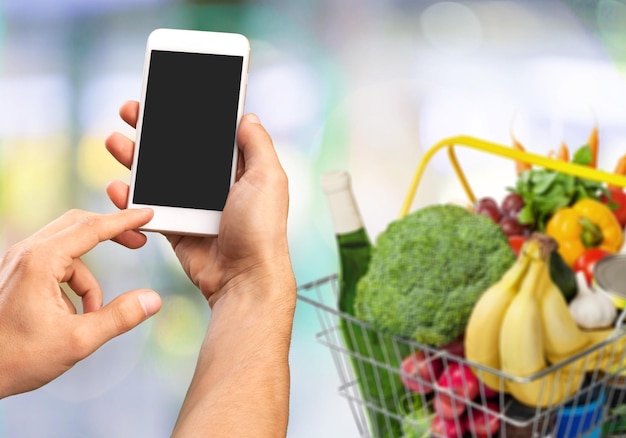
(522, 328)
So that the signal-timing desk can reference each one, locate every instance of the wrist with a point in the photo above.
(270, 281)
(253, 313)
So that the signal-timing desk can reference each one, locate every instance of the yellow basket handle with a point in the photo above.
(506, 152)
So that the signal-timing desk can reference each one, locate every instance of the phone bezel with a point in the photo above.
(178, 220)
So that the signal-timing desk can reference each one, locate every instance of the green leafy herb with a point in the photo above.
(546, 191)
(583, 156)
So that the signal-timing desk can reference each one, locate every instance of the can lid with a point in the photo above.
(609, 275)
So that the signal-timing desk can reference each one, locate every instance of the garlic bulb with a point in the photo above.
(591, 309)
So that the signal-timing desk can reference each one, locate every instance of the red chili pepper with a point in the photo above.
(587, 261)
(617, 203)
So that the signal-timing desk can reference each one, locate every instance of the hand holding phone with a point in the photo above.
(191, 104)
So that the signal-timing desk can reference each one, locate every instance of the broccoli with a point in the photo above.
(427, 271)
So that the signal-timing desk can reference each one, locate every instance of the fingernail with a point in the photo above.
(150, 302)
(253, 118)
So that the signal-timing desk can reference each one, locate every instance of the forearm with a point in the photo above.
(241, 383)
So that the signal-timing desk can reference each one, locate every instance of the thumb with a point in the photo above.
(119, 316)
(255, 144)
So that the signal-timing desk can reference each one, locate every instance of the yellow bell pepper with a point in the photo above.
(586, 224)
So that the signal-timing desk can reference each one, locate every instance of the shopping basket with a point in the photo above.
(597, 409)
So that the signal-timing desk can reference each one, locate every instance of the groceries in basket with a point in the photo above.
(468, 311)
(428, 270)
(522, 325)
(579, 213)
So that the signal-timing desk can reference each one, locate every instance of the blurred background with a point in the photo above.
(363, 85)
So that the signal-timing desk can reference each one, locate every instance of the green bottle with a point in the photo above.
(353, 242)
(380, 389)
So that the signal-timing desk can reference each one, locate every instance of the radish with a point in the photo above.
(484, 423)
(442, 427)
(447, 407)
(488, 391)
(460, 380)
(455, 348)
(420, 370)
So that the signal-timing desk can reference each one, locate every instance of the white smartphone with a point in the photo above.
(192, 101)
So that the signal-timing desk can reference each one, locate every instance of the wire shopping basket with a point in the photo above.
(595, 407)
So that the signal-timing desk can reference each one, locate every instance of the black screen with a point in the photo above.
(188, 132)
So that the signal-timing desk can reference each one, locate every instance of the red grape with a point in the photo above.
(512, 204)
(511, 227)
(489, 207)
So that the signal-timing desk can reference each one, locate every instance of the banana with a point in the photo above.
(551, 389)
(562, 336)
(522, 345)
(522, 325)
(608, 358)
(483, 329)
(521, 341)
(563, 339)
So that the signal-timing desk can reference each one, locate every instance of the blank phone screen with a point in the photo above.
(188, 130)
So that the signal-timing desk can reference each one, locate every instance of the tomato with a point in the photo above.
(617, 204)
(516, 243)
(587, 260)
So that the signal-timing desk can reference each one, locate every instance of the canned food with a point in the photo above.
(609, 276)
(583, 414)
(527, 422)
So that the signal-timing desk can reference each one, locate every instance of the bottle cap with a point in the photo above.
(343, 208)
(335, 180)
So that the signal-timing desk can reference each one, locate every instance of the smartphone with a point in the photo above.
(192, 100)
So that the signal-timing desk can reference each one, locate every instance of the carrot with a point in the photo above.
(520, 166)
(563, 153)
(620, 168)
(593, 143)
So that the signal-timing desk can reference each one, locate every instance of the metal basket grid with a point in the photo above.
(515, 420)
(553, 420)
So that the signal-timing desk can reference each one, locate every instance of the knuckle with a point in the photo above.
(24, 256)
(280, 182)
(121, 319)
(88, 220)
(82, 218)
(276, 179)
(279, 176)
(89, 224)
(74, 214)
(284, 179)
(16, 251)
